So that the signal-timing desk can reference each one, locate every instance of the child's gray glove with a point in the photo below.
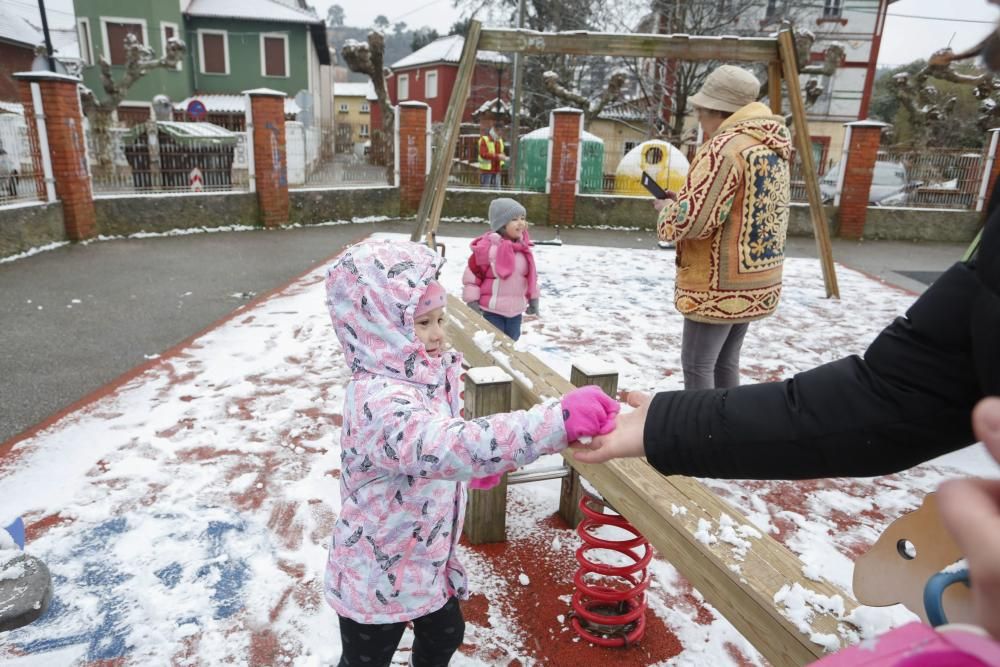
(532, 306)
(474, 305)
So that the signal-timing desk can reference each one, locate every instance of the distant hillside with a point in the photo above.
(397, 45)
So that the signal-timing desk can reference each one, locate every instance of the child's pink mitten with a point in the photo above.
(588, 411)
(484, 483)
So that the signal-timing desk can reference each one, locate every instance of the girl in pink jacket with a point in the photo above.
(406, 455)
(500, 279)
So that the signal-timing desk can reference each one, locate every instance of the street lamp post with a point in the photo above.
(48, 38)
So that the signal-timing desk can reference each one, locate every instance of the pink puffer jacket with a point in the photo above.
(500, 275)
(405, 451)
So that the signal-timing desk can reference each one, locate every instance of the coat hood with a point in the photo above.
(757, 121)
(371, 292)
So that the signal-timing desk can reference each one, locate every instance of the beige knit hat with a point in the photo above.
(727, 88)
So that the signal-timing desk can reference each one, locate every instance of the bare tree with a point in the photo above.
(139, 60)
(591, 107)
(928, 106)
(368, 58)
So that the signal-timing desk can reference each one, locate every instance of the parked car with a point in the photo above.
(891, 185)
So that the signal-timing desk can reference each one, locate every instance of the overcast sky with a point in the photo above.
(905, 39)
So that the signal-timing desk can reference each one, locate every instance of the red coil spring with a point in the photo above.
(609, 615)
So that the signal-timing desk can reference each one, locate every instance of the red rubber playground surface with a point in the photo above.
(185, 509)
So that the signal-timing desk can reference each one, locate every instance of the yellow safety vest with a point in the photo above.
(487, 165)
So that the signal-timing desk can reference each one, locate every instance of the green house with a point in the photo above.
(232, 46)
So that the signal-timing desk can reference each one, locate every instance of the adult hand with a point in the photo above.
(624, 440)
(660, 204)
(532, 307)
(970, 509)
(587, 412)
(474, 305)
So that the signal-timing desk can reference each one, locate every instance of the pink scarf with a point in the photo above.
(506, 253)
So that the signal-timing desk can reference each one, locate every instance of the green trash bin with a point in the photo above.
(533, 162)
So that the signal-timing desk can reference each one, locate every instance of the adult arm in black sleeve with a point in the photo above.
(908, 400)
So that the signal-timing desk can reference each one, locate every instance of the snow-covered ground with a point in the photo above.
(185, 513)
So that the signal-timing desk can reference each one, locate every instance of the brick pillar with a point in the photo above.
(58, 125)
(413, 133)
(564, 164)
(862, 151)
(991, 169)
(267, 118)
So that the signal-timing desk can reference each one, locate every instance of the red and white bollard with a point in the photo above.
(609, 609)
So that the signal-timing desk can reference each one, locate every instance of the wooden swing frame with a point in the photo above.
(778, 52)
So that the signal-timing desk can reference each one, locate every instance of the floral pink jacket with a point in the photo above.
(405, 452)
(500, 275)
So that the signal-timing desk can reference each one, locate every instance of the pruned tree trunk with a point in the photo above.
(368, 58)
(139, 59)
(591, 108)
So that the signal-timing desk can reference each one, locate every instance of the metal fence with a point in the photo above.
(929, 178)
(349, 156)
(153, 161)
(20, 180)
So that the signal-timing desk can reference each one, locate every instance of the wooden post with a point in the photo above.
(487, 392)
(742, 587)
(432, 200)
(786, 46)
(584, 373)
(774, 86)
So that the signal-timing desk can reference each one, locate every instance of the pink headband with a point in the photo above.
(433, 297)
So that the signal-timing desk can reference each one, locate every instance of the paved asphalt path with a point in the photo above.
(78, 317)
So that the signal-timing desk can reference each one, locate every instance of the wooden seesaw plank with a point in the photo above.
(741, 584)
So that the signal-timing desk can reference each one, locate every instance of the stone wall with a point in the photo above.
(309, 207)
(25, 227)
(121, 216)
(30, 226)
(925, 224)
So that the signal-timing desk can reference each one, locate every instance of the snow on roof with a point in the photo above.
(11, 107)
(59, 13)
(624, 110)
(546, 132)
(21, 24)
(229, 104)
(17, 29)
(445, 50)
(353, 89)
(254, 10)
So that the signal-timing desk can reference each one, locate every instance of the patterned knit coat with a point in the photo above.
(730, 220)
(405, 451)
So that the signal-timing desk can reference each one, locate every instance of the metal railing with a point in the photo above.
(336, 158)
(20, 163)
(154, 162)
(932, 178)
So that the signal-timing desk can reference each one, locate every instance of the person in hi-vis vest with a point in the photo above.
(491, 158)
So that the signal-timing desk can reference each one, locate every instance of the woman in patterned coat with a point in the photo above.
(729, 222)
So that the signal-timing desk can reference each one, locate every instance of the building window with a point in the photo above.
(274, 54)
(213, 51)
(343, 107)
(115, 30)
(833, 8)
(365, 108)
(629, 145)
(364, 130)
(169, 31)
(431, 85)
(403, 88)
(86, 45)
